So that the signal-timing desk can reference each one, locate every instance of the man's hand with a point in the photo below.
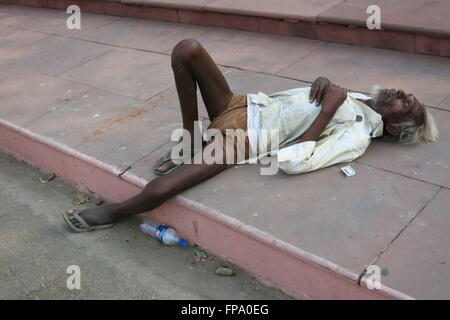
(318, 90)
(324, 92)
(333, 98)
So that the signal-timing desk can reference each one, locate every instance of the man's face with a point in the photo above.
(397, 106)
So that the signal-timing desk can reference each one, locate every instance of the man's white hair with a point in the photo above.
(411, 133)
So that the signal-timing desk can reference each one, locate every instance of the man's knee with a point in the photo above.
(186, 51)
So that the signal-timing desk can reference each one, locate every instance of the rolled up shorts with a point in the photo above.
(234, 117)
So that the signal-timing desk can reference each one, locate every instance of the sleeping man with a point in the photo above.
(315, 127)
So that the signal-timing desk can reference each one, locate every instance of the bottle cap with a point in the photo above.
(183, 243)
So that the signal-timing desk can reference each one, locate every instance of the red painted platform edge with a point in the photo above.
(275, 262)
(424, 41)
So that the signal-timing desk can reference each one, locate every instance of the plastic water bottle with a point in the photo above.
(163, 233)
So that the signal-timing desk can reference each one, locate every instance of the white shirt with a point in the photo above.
(345, 138)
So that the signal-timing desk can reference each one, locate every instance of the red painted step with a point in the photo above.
(417, 26)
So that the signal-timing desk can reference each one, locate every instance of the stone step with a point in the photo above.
(417, 26)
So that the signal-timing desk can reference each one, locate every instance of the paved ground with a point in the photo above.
(98, 89)
(121, 263)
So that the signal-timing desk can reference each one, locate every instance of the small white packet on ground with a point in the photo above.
(348, 171)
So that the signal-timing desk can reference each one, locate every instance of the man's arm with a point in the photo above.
(331, 96)
(347, 144)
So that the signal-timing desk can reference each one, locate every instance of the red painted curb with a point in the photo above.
(275, 262)
(394, 38)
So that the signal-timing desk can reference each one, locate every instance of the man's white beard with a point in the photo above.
(375, 94)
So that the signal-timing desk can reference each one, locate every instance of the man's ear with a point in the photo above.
(393, 129)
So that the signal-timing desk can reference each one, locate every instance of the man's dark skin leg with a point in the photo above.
(191, 65)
